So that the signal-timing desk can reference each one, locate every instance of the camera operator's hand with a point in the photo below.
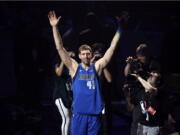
(71, 54)
(127, 69)
(129, 59)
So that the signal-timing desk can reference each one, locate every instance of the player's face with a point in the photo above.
(85, 56)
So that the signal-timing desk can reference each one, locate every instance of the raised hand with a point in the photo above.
(122, 19)
(129, 59)
(53, 19)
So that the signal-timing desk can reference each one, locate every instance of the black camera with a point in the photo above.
(97, 58)
(136, 66)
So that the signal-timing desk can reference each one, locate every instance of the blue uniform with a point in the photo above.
(87, 102)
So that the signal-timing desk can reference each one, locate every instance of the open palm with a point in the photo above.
(53, 19)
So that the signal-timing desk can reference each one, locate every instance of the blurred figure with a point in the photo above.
(63, 94)
(142, 66)
(150, 119)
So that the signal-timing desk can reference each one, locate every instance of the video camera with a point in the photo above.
(137, 68)
(97, 58)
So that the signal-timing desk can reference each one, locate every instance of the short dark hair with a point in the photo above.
(158, 81)
(98, 47)
(142, 50)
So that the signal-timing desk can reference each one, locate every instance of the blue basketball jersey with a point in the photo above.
(87, 97)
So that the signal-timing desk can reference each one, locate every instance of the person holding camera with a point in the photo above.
(142, 65)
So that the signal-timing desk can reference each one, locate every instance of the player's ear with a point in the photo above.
(79, 56)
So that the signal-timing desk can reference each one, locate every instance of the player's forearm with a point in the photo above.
(111, 49)
(116, 38)
(57, 38)
(59, 46)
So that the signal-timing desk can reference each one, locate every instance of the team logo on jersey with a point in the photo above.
(86, 77)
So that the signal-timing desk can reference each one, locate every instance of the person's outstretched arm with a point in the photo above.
(101, 63)
(147, 86)
(66, 59)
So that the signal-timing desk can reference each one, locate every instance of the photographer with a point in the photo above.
(142, 66)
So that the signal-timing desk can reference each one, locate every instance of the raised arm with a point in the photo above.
(128, 66)
(66, 59)
(101, 63)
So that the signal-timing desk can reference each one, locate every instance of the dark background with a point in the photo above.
(28, 54)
